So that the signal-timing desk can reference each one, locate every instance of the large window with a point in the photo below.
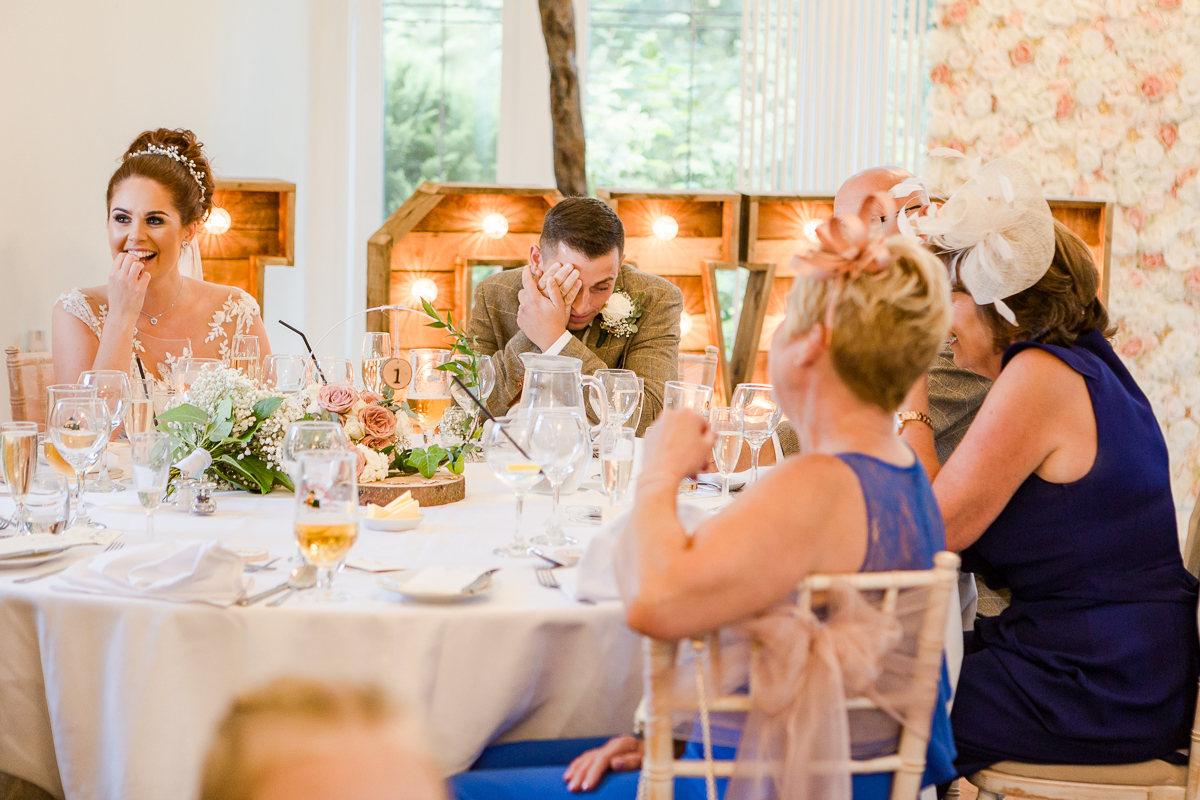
(663, 88)
(442, 62)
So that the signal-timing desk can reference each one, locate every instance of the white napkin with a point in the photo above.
(443, 579)
(368, 564)
(736, 479)
(48, 542)
(182, 572)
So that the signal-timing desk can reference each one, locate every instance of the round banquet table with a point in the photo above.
(111, 697)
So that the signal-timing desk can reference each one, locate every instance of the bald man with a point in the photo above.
(955, 394)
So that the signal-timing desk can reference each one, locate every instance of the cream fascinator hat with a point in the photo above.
(1002, 227)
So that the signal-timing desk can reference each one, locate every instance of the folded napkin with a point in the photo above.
(181, 572)
(443, 580)
(50, 542)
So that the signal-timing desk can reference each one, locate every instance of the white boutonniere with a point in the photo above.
(620, 315)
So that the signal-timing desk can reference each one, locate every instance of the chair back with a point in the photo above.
(699, 368)
(660, 767)
(28, 376)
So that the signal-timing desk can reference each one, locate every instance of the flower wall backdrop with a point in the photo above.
(1102, 99)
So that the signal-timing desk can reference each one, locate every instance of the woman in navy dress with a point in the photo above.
(1060, 492)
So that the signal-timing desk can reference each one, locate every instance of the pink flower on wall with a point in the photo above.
(1153, 260)
(1168, 5)
(1064, 106)
(958, 12)
(1137, 218)
(940, 74)
(1153, 87)
(1022, 53)
(1192, 280)
(1168, 134)
(1132, 347)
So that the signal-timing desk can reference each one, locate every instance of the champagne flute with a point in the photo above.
(307, 435)
(112, 386)
(429, 393)
(18, 443)
(555, 442)
(377, 348)
(760, 417)
(187, 370)
(616, 462)
(79, 429)
(726, 423)
(63, 391)
(150, 458)
(326, 522)
(139, 418)
(329, 369)
(284, 373)
(244, 356)
(503, 441)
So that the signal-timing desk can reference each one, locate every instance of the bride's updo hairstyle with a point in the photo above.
(174, 160)
(889, 321)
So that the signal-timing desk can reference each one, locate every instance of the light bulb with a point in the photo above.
(665, 228)
(810, 229)
(685, 324)
(218, 221)
(495, 225)
(424, 289)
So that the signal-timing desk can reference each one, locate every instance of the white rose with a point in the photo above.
(358, 406)
(1182, 434)
(1107, 137)
(1175, 409)
(1192, 26)
(1183, 154)
(1189, 194)
(999, 8)
(1189, 392)
(1042, 108)
(1089, 92)
(1121, 9)
(1102, 190)
(1108, 68)
(1092, 43)
(617, 308)
(939, 100)
(993, 65)
(938, 44)
(1179, 257)
(1047, 135)
(1189, 88)
(353, 429)
(1182, 316)
(1178, 345)
(1189, 132)
(1149, 152)
(1008, 38)
(1172, 109)
(1087, 157)
(1128, 192)
(977, 103)
(1035, 26)
(1059, 12)
(960, 58)
(940, 126)
(1191, 6)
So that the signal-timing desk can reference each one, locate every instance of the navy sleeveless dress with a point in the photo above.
(1096, 660)
(904, 532)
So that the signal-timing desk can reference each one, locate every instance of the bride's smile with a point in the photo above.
(144, 223)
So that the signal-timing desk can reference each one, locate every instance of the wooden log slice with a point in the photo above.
(444, 487)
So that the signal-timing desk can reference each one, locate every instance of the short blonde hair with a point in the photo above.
(888, 326)
(257, 731)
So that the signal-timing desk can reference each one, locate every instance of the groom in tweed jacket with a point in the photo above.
(553, 306)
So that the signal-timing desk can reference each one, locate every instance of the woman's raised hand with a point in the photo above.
(678, 443)
(619, 754)
(127, 284)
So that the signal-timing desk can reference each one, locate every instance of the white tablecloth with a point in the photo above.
(121, 696)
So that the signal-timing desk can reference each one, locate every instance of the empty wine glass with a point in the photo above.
(429, 392)
(18, 445)
(691, 396)
(79, 429)
(635, 416)
(150, 459)
(377, 348)
(112, 386)
(726, 423)
(503, 441)
(760, 416)
(480, 389)
(139, 417)
(245, 356)
(326, 521)
(329, 369)
(616, 462)
(555, 442)
(621, 392)
(188, 369)
(284, 373)
(309, 435)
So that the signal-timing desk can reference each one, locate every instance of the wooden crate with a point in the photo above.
(707, 240)
(262, 232)
(1092, 220)
(437, 235)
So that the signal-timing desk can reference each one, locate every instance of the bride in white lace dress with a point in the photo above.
(149, 310)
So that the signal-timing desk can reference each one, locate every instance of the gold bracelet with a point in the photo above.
(905, 417)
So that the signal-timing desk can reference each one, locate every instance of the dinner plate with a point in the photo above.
(397, 585)
(403, 524)
(21, 562)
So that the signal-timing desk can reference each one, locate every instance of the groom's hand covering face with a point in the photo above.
(597, 278)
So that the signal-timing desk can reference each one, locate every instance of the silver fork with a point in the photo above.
(117, 545)
(545, 576)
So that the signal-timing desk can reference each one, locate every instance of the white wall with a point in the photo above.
(266, 84)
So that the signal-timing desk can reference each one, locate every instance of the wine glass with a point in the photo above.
(481, 389)
(284, 373)
(621, 391)
(691, 396)
(244, 356)
(187, 370)
(760, 417)
(112, 386)
(79, 429)
(503, 441)
(616, 462)
(309, 435)
(18, 444)
(377, 348)
(150, 458)
(139, 417)
(555, 442)
(326, 522)
(726, 423)
(429, 392)
(63, 391)
(329, 369)
(635, 416)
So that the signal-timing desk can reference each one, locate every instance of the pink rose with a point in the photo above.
(1167, 134)
(1153, 87)
(1082, 188)
(377, 422)
(1016, 19)
(1168, 5)
(958, 88)
(1009, 140)
(1152, 21)
(336, 397)
(1192, 279)
(955, 144)
(1137, 218)
(1153, 260)
(959, 11)
(1132, 348)
(1135, 279)
(362, 462)
(1185, 175)
(377, 442)
(367, 396)
(1022, 53)
(940, 74)
(1064, 107)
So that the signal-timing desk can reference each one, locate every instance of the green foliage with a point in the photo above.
(190, 428)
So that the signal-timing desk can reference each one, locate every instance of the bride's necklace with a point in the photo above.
(154, 319)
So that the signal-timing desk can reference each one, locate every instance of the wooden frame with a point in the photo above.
(262, 233)
(437, 235)
(708, 239)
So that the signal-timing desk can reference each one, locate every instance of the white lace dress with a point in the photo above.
(234, 317)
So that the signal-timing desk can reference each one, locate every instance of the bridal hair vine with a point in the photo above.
(172, 151)
(847, 247)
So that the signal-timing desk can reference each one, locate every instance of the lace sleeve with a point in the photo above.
(240, 310)
(76, 304)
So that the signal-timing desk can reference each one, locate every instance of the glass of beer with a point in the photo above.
(429, 392)
(326, 521)
(79, 429)
(139, 418)
(726, 423)
(506, 448)
(18, 443)
(616, 462)
(244, 356)
(760, 417)
(377, 348)
(112, 386)
(150, 458)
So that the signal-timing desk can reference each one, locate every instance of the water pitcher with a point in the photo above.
(558, 382)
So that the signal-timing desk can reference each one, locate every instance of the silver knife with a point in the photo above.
(480, 582)
(254, 598)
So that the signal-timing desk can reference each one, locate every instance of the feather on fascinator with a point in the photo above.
(848, 246)
(1001, 225)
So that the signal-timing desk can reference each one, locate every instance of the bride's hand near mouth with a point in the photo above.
(127, 283)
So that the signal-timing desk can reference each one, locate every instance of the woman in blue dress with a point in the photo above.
(1060, 492)
(859, 331)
